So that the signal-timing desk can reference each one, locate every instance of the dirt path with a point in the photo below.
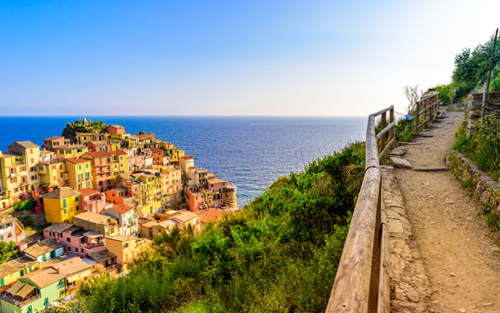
(458, 256)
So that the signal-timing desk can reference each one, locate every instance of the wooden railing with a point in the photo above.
(426, 110)
(362, 282)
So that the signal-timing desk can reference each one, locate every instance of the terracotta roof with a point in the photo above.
(15, 265)
(98, 154)
(53, 138)
(58, 227)
(119, 152)
(93, 217)
(71, 266)
(77, 161)
(122, 208)
(61, 193)
(156, 150)
(88, 191)
(43, 247)
(213, 213)
(44, 277)
(187, 157)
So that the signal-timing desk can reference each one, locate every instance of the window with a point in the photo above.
(79, 167)
(64, 203)
(78, 208)
(61, 283)
(21, 273)
(46, 302)
(2, 282)
(30, 309)
(69, 248)
(86, 165)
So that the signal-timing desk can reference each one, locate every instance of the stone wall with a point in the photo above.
(485, 187)
(475, 103)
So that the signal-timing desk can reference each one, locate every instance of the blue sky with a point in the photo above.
(229, 57)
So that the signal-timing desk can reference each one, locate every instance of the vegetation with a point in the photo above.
(27, 221)
(7, 250)
(279, 254)
(482, 146)
(26, 205)
(492, 219)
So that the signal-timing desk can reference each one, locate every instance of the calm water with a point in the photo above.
(251, 152)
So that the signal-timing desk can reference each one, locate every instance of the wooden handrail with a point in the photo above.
(427, 108)
(362, 282)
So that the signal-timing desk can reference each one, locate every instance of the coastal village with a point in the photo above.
(88, 202)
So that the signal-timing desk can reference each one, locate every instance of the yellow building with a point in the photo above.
(61, 205)
(85, 138)
(119, 163)
(53, 174)
(173, 153)
(73, 151)
(18, 172)
(126, 248)
(79, 173)
(12, 270)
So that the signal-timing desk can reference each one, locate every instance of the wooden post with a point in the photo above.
(417, 109)
(391, 120)
(383, 123)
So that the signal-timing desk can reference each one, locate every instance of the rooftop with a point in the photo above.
(71, 266)
(15, 265)
(53, 138)
(99, 142)
(77, 161)
(185, 216)
(122, 208)
(213, 213)
(122, 238)
(88, 191)
(188, 157)
(70, 147)
(59, 227)
(118, 152)
(93, 217)
(101, 256)
(44, 277)
(26, 144)
(43, 247)
(98, 154)
(61, 193)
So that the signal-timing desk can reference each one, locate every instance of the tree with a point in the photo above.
(7, 250)
(413, 94)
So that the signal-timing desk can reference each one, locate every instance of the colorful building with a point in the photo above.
(54, 142)
(44, 250)
(101, 163)
(119, 162)
(92, 200)
(126, 248)
(126, 216)
(84, 138)
(61, 205)
(79, 173)
(11, 229)
(18, 171)
(34, 292)
(75, 272)
(72, 151)
(53, 174)
(10, 271)
(101, 145)
(75, 239)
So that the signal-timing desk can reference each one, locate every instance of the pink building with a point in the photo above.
(100, 146)
(75, 239)
(136, 163)
(92, 200)
(115, 129)
(217, 186)
(11, 229)
(196, 199)
(55, 142)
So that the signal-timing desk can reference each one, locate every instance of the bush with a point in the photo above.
(26, 205)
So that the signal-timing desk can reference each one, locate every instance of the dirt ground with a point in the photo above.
(460, 259)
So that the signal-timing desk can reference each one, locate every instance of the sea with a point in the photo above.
(251, 152)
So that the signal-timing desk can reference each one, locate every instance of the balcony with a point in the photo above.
(7, 297)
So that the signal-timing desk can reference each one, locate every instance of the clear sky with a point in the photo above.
(234, 57)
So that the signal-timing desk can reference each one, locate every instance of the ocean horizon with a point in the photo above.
(249, 151)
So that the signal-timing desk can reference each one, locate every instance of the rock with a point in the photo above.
(399, 151)
(401, 162)
(461, 310)
(487, 304)
(474, 114)
(452, 274)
